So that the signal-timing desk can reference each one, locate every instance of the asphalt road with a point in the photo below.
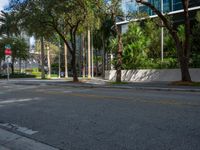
(103, 119)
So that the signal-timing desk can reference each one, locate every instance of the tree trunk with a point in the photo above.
(49, 63)
(183, 51)
(185, 74)
(97, 65)
(89, 52)
(83, 47)
(75, 78)
(183, 60)
(103, 60)
(119, 58)
(119, 52)
(42, 59)
(92, 55)
(73, 41)
(66, 67)
(20, 65)
(0, 65)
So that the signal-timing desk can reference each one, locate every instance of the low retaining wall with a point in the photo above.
(148, 75)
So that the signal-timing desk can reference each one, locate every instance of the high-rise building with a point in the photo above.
(168, 5)
(129, 6)
(173, 7)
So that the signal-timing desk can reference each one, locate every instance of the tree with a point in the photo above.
(19, 49)
(102, 37)
(135, 47)
(62, 17)
(112, 8)
(183, 49)
(9, 24)
(30, 14)
(151, 31)
(196, 42)
(196, 34)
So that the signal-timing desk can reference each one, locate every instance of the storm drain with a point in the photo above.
(17, 128)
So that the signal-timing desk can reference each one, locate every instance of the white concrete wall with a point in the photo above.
(147, 75)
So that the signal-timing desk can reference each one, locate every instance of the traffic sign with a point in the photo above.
(8, 59)
(8, 52)
(7, 46)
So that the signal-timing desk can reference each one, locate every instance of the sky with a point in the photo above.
(3, 3)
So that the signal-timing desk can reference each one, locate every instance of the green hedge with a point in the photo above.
(18, 75)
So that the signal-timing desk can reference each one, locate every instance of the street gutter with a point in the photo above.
(86, 85)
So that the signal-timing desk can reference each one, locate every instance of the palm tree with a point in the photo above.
(9, 24)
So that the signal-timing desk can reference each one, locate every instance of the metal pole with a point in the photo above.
(8, 75)
(59, 63)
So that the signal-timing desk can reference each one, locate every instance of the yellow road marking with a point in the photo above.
(163, 102)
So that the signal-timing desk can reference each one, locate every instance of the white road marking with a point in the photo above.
(17, 100)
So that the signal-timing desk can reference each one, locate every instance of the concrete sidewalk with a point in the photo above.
(100, 83)
(11, 141)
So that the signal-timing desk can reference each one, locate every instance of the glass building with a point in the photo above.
(168, 5)
(129, 6)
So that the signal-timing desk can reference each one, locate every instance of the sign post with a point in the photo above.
(8, 58)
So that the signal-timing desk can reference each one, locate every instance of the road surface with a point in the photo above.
(102, 119)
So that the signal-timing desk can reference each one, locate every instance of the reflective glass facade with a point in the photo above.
(168, 5)
(129, 6)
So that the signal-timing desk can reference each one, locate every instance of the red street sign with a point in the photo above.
(8, 52)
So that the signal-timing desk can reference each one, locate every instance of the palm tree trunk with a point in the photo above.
(66, 67)
(97, 65)
(89, 59)
(49, 63)
(119, 58)
(83, 47)
(20, 65)
(0, 65)
(103, 60)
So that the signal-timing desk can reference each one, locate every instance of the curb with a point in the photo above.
(12, 141)
(115, 87)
